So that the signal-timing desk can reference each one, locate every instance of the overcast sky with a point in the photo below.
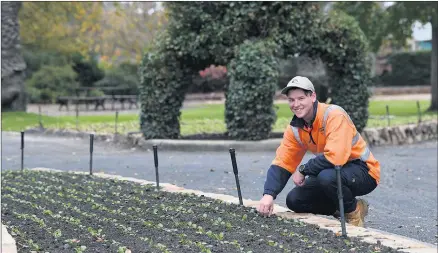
(422, 32)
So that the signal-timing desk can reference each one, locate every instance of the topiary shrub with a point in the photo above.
(343, 46)
(204, 33)
(162, 85)
(249, 110)
(50, 82)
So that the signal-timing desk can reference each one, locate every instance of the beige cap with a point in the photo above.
(298, 82)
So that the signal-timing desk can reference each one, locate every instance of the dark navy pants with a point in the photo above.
(319, 194)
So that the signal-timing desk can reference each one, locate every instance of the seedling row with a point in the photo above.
(66, 212)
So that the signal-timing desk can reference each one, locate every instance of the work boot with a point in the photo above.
(357, 217)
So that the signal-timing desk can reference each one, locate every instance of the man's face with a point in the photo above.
(301, 104)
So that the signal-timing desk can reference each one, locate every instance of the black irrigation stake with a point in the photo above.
(77, 117)
(91, 153)
(22, 150)
(115, 124)
(236, 173)
(156, 165)
(419, 112)
(387, 114)
(341, 200)
(40, 117)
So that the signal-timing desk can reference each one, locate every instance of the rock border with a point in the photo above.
(374, 236)
(397, 135)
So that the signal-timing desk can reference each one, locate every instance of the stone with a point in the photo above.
(371, 136)
(399, 135)
(385, 137)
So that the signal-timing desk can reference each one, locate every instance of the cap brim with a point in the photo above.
(285, 90)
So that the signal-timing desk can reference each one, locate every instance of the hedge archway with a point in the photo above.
(248, 37)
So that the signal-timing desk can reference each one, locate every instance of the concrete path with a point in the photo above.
(405, 203)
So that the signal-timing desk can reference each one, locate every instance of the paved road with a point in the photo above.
(405, 203)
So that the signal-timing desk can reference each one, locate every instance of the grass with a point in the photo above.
(208, 118)
(398, 107)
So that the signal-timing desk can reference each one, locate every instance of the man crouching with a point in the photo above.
(328, 132)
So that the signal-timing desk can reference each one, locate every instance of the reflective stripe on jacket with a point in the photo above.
(332, 134)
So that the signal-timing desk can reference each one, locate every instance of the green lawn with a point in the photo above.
(398, 108)
(206, 118)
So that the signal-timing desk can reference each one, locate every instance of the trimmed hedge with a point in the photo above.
(162, 85)
(249, 110)
(231, 33)
(344, 47)
(408, 69)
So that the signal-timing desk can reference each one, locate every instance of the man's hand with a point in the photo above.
(266, 205)
(298, 178)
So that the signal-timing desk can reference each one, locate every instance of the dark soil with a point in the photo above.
(63, 212)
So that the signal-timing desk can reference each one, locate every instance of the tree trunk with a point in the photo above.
(434, 67)
(12, 64)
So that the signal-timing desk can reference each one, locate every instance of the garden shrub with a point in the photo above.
(408, 69)
(50, 82)
(123, 76)
(203, 33)
(35, 59)
(96, 92)
(87, 71)
(249, 110)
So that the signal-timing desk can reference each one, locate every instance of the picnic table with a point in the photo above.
(113, 94)
(66, 100)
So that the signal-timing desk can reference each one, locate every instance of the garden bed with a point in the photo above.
(66, 212)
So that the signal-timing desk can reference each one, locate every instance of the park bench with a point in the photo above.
(131, 99)
(66, 100)
(113, 94)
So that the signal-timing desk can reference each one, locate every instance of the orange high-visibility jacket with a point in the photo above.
(332, 134)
